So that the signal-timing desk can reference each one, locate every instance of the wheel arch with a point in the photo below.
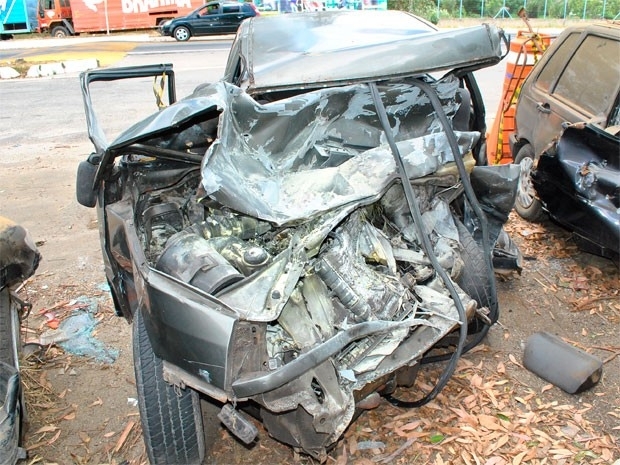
(62, 23)
(519, 143)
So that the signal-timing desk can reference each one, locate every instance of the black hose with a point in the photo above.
(428, 249)
(471, 197)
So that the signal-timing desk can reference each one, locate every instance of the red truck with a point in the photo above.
(62, 19)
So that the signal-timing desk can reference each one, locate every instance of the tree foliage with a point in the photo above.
(563, 9)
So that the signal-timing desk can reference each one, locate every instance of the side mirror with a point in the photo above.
(85, 191)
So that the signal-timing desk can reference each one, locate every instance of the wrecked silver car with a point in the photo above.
(294, 240)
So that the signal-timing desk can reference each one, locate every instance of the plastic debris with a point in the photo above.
(362, 445)
(75, 333)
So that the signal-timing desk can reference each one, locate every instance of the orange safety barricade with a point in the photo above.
(525, 50)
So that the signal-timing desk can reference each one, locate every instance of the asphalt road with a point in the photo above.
(30, 106)
(42, 112)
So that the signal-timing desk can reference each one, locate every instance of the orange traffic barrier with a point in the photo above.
(525, 50)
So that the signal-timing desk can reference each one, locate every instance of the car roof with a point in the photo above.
(323, 48)
(608, 27)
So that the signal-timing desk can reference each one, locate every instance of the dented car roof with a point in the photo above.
(344, 47)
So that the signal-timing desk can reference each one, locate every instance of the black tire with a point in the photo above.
(474, 278)
(182, 34)
(526, 204)
(9, 328)
(11, 394)
(60, 32)
(171, 417)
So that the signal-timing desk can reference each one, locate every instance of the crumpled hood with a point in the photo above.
(294, 159)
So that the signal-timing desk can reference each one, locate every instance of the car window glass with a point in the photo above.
(231, 9)
(591, 77)
(554, 65)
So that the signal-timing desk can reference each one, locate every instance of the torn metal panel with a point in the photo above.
(578, 182)
(19, 256)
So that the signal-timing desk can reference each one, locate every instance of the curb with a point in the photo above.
(72, 66)
(51, 69)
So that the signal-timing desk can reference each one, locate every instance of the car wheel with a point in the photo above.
(182, 34)
(60, 32)
(526, 204)
(474, 278)
(171, 417)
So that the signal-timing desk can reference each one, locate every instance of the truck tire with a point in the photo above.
(182, 34)
(526, 204)
(171, 417)
(60, 32)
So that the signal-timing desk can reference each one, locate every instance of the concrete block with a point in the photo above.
(6, 72)
(46, 69)
(77, 66)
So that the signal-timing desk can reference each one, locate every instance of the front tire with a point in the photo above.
(171, 417)
(475, 278)
(526, 204)
(182, 34)
(60, 32)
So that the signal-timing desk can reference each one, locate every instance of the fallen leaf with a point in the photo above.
(53, 440)
(123, 436)
(436, 438)
(46, 429)
(501, 368)
(517, 459)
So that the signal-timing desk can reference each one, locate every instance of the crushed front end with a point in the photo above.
(299, 257)
(289, 271)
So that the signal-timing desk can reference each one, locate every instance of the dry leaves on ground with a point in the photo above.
(484, 416)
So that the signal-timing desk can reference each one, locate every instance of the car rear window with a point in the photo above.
(231, 9)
